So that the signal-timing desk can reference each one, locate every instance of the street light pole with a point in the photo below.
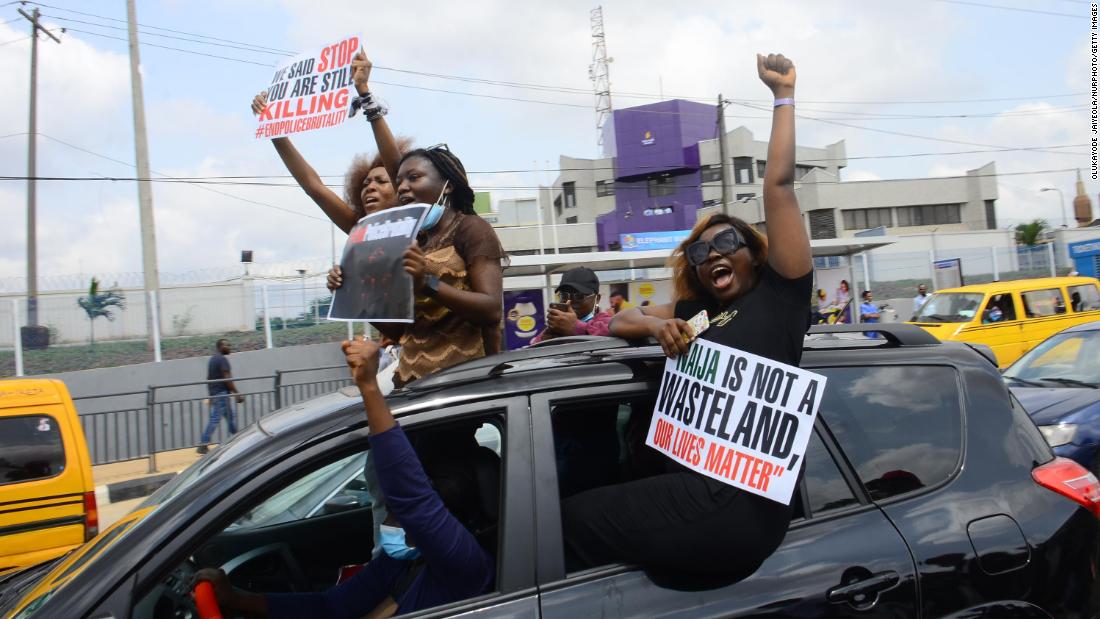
(1062, 202)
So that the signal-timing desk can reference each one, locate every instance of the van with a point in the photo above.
(47, 497)
(1010, 317)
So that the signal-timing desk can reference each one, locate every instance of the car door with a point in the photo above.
(515, 595)
(841, 557)
(1002, 329)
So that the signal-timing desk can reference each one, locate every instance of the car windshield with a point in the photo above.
(1063, 360)
(949, 307)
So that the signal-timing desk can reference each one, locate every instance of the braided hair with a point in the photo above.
(451, 169)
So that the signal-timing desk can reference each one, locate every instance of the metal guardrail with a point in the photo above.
(163, 422)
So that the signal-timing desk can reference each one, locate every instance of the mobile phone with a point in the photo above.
(561, 307)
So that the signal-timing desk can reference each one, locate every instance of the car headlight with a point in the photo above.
(1060, 434)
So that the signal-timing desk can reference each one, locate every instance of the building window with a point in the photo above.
(557, 206)
(660, 210)
(822, 224)
(742, 170)
(745, 196)
(711, 173)
(864, 218)
(605, 188)
(569, 190)
(570, 220)
(990, 215)
(714, 202)
(801, 170)
(663, 185)
(929, 215)
(760, 165)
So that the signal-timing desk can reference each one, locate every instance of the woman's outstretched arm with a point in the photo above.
(333, 206)
(788, 244)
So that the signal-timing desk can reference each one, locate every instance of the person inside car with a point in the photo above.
(758, 300)
(430, 557)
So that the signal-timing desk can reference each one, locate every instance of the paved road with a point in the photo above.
(111, 513)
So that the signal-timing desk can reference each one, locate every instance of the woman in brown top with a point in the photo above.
(456, 269)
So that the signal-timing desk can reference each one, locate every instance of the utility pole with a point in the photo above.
(145, 189)
(722, 154)
(33, 340)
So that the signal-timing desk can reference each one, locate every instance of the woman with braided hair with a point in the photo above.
(455, 266)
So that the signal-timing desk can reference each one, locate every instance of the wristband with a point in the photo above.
(360, 102)
(785, 101)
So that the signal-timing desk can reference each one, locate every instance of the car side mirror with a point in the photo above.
(341, 503)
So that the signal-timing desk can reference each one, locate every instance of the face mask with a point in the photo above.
(590, 315)
(436, 212)
(393, 544)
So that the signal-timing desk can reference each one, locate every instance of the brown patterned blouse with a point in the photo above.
(438, 338)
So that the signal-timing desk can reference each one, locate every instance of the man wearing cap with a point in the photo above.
(579, 290)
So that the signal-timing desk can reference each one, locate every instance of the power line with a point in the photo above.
(26, 38)
(175, 49)
(898, 133)
(170, 178)
(168, 36)
(234, 44)
(114, 19)
(1008, 8)
(198, 181)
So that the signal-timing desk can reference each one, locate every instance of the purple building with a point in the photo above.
(657, 168)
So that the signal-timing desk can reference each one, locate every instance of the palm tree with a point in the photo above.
(1028, 234)
(98, 304)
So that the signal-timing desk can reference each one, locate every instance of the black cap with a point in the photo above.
(581, 279)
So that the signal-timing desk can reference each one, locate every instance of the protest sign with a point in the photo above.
(311, 91)
(736, 417)
(376, 286)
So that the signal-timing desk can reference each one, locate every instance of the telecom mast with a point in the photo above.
(599, 74)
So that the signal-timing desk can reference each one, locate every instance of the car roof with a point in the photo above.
(1085, 326)
(1022, 284)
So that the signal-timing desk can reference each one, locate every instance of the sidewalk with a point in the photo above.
(131, 479)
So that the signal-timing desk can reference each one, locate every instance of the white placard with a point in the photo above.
(736, 417)
(311, 91)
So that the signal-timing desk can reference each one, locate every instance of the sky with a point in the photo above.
(916, 86)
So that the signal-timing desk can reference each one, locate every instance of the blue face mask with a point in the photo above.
(393, 544)
(590, 315)
(435, 213)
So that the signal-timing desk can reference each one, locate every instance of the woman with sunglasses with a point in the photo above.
(758, 300)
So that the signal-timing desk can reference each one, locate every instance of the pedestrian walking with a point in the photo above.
(921, 298)
(217, 369)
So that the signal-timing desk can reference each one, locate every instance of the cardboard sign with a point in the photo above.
(311, 91)
(376, 287)
(736, 417)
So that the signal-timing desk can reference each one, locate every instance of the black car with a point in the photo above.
(927, 492)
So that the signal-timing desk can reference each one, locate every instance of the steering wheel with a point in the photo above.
(298, 581)
(206, 603)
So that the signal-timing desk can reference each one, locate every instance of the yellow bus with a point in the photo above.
(1010, 317)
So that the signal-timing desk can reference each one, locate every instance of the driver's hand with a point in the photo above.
(223, 590)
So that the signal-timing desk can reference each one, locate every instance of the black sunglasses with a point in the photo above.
(725, 242)
(575, 296)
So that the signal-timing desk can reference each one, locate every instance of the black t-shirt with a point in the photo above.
(216, 369)
(770, 320)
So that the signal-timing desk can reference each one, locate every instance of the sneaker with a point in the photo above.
(202, 449)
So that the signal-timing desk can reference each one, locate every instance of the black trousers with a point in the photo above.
(674, 523)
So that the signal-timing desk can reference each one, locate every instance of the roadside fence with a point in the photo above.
(139, 424)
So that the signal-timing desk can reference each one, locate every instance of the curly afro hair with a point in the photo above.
(359, 169)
